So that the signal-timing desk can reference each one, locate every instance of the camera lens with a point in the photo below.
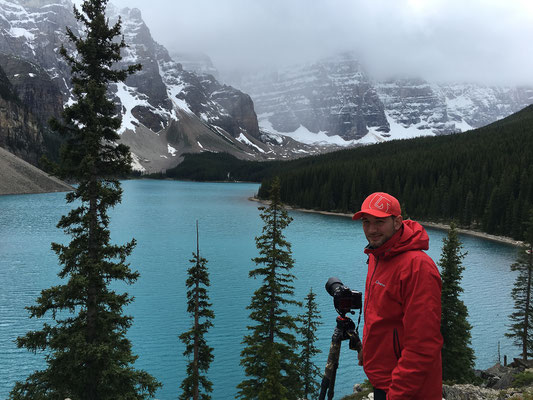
(332, 284)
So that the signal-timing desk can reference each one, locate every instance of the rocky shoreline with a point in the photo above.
(435, 225)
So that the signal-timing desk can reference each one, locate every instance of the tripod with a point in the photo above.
(345, 330)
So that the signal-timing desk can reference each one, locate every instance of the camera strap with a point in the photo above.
(358, 321)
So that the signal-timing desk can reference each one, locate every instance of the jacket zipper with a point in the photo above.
(396, 344)
(370, 286)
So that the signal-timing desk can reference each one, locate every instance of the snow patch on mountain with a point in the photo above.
(463, 126)
(172, 151)
(401, 131)
(304, 135)
(173, 92)
(18, 32)
(129, 98)
(243, 139)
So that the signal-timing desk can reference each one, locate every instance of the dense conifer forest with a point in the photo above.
(219, 167)
(482, 179)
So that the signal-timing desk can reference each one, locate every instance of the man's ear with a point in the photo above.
(398, 222)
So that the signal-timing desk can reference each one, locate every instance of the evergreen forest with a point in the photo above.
(481, 179)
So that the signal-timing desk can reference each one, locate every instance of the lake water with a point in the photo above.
(161, 215)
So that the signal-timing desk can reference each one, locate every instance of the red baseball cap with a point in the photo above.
(379, 205)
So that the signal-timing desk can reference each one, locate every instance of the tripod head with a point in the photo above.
(345, 330)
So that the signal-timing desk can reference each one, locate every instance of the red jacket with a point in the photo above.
(402, 310)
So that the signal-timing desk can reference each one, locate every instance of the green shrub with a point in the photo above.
(523, 379)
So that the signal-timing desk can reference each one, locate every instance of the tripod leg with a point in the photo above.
(328, 381)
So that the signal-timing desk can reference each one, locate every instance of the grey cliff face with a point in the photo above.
(32, 84)
(414, 102)
(333, 96)
(216, 104)
(19, 129)
(220, 105)
(34, 31)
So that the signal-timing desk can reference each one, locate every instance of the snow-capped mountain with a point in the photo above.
(167, 111)
(335, 101)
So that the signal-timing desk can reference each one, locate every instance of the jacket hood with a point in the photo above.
(411, 236)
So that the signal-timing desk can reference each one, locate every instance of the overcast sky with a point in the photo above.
(485, 40)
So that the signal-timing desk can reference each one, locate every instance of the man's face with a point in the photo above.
(379, 230)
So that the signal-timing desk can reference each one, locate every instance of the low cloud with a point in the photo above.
(480, 40)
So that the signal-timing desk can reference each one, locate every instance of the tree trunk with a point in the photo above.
(92, 383)
(196, 372)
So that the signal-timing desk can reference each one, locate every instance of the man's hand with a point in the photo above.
(359, 348)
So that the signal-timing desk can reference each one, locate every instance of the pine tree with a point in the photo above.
(521, 329)
(457, 354)
(198, 307)
(309, 322)
(87, 353)
(270, 358)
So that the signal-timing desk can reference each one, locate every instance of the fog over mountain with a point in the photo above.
(483, 41)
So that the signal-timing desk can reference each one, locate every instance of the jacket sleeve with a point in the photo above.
(422, 340)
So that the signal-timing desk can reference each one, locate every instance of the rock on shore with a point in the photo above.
(19, 177)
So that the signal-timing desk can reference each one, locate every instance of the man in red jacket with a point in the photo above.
(402, 343)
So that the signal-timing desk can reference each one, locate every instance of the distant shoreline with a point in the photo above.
(435, 225)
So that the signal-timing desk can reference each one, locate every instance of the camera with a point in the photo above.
(344, 299)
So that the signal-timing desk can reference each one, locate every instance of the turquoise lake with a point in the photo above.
(161, 216)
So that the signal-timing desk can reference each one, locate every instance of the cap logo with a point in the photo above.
(380, 203)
